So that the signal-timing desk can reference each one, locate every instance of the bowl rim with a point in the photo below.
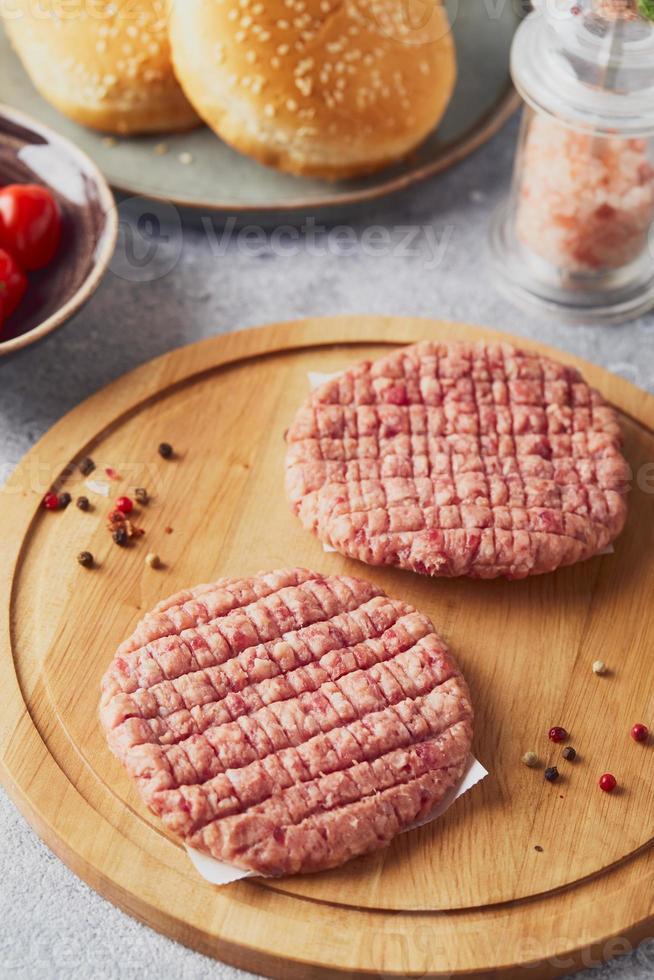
(102, 257)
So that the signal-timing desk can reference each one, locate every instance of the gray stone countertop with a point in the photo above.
(198, 281)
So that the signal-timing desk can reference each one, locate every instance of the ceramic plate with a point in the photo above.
(30, 153)
(220, 178)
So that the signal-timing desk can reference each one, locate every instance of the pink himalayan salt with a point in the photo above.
(585, 203)
(616, 9)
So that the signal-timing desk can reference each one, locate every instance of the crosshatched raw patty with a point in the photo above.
(289, 721)
(459, 459)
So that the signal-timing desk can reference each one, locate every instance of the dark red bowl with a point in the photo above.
(32, 153)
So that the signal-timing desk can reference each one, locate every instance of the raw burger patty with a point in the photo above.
(287, 722)
(459, 459)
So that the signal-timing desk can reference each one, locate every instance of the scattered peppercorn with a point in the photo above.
(538, 848)
(133, 531)
(120, 536)
(557, 734)
(83, 503)
(142, 495)
(154, 561)
(86, 466)
(85, 559)
(640, 733)
(530, 759)
(51, 501)
(599, 667)
(551, 774)
(64, 500)
(569, 753)
(608, 782)
(125, 505)
(165, 450)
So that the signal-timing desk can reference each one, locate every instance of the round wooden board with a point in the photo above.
(467, 896)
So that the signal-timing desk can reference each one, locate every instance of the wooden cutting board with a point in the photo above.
(520, 871)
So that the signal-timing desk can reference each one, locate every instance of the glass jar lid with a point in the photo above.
(589, 63)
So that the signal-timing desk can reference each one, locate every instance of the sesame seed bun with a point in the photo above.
(329, 88)
(105, 64)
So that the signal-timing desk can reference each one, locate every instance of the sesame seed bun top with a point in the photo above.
(104, 64)
(327, 87)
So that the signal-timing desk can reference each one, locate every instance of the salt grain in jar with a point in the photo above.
(577, 234)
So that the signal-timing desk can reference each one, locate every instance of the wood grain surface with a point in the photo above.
(467, 896)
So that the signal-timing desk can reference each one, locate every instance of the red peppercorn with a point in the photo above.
(125, 505)
(608, 782)
(557, 734)
(640, 733)
(51, 501)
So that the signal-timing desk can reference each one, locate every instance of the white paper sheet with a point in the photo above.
(219, 873)
(317, 378)
(98, 486)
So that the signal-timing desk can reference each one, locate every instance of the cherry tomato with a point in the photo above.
(13, 283)
(30, 224)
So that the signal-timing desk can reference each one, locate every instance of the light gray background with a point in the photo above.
(51, 924)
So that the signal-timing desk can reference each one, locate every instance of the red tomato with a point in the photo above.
(13, 283)
(30, 224)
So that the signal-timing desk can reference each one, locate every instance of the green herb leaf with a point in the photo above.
(646, 9)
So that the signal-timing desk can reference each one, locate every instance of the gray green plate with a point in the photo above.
(219, 178)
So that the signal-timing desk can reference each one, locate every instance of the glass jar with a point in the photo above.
(576, 236)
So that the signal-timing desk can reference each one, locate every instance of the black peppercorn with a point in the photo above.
(551, 774)
(64, 500)
(165, 450)
(86, 466)
(85, 558)
(121, 536)
(141, 495)
(83, 503)
(569, 753)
